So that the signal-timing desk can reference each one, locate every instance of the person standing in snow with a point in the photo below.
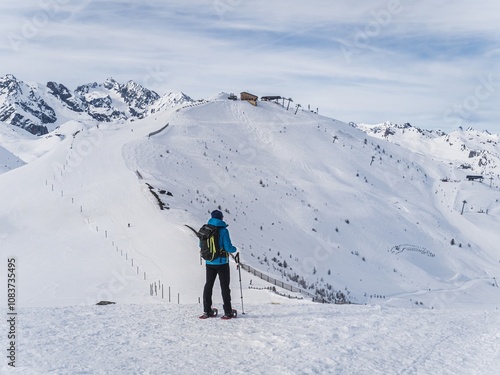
(219, 266)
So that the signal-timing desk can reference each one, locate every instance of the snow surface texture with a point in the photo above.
(269, 339)
(309, 200)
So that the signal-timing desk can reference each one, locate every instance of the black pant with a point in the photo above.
(224, 278)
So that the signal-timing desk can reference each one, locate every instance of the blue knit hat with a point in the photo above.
(217, 215)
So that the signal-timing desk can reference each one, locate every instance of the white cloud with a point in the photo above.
(403, 60)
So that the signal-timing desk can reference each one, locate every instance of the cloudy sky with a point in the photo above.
(434, 64)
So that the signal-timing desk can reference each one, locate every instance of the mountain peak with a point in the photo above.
(107, 102)
(111, 84)
(8, 77)
(9, 84)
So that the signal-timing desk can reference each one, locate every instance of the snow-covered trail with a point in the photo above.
(268, 339)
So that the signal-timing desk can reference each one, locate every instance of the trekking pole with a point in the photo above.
(237, 260)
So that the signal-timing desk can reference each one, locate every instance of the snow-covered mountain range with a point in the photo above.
(41, 108)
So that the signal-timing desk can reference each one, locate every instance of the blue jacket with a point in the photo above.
(224, 242)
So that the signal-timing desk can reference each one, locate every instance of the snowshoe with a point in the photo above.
(231, 315)
(211, 314)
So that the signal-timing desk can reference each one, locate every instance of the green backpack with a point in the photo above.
(209, 242)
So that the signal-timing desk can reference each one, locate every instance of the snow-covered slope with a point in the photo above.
(8, 161)
(268, 339)
(9, 136)
(309, 200)
(306, 203)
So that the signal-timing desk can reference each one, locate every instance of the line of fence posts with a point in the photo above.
(274, 281)
(157, 288)
(113, 243)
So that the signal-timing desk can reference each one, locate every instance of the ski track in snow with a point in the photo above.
(268, 339)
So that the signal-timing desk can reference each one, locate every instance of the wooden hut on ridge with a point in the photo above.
(252, 99)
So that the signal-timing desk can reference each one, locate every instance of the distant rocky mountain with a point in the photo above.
(41, 108)
(21, 105)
